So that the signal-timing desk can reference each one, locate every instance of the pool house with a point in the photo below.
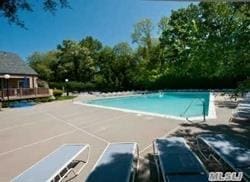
(18, 80)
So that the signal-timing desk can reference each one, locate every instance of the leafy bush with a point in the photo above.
(42, 84)
(73, 86)
(56, 85)
(57, 93)
(242, 88)
(44, 99)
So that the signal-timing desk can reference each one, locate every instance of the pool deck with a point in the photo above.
(29, 134)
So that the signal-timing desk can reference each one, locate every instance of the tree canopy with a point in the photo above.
(202, 46)
(11, 8)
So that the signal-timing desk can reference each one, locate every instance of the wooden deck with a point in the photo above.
(23, 93)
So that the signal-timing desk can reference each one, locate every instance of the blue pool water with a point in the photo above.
(178, 104)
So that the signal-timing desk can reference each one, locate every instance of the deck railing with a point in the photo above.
(24, 92)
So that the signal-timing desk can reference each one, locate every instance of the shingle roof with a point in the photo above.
(11, 63)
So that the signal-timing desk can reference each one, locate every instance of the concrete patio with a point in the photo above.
(29, 134)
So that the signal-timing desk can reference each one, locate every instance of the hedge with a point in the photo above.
(164, 82)
(72, 86)
(57, 92)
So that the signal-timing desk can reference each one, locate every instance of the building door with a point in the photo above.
(20, 84)
(1, 83)
(23, 83)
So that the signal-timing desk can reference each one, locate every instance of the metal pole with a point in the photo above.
(8, 96)
(67, 85)
(2, 88)
(204, 111)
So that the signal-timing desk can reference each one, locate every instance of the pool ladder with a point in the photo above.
(203, 108)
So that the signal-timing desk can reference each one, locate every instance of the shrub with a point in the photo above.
(42, 84)
(243, 87)
(73, 86)
(57, 93)
(56, 85)
(45, 99)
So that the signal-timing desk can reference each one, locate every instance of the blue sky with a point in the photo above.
(110, 21)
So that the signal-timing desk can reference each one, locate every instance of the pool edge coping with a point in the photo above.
(211, 110)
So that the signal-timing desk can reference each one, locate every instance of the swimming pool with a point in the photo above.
(178, 105)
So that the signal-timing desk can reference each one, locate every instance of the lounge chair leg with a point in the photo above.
(79, 171)
(136, 163)
(156, 164)
(201, 151)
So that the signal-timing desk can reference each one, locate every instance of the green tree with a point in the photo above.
(75, 61)
(142, 35)
(202, 41)
(42, 64)
(92, 44)
(163, 24)
(124, 65)
(105, 75)
(205, 45)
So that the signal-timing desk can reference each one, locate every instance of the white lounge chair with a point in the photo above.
(176, 162)
(246, 109)
(245, 101)
(224, 148)
(241, 115)
(247, 95)
(56, 166)
(243, 105)
(117, 163)
(242, 112)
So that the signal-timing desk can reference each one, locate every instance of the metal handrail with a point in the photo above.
(188, 107)
(203, 108)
